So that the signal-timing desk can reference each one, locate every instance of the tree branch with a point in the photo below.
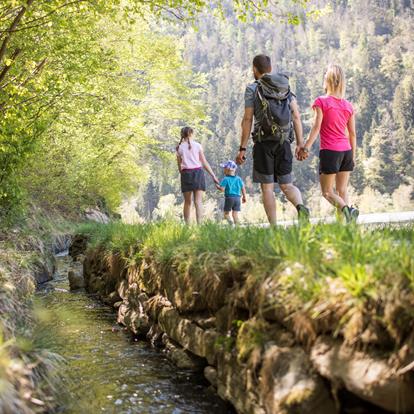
(12, 27)
(39, 67)
(6, 68)
(70, 3)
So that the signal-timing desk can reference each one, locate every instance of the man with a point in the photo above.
(272, 154)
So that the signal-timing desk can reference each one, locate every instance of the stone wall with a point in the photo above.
(256, 356)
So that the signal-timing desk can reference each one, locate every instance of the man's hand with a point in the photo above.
(241, 157)
(244, 199)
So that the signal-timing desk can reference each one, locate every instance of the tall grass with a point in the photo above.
(28, 375)
(364, 260)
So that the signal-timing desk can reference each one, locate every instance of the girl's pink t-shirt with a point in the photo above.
(190, 158)
(336, 114)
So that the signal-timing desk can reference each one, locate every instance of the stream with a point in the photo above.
(107, 370)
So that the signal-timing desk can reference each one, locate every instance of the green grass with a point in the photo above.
(362, 258)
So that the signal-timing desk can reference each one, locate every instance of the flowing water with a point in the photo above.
(106, 370)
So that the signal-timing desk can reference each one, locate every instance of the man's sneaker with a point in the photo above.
(303, 213)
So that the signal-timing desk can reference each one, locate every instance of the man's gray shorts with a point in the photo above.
(271, 179)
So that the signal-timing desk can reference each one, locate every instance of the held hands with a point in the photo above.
(301, 153)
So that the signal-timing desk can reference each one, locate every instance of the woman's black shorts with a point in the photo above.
(332, 162)
(192, 180)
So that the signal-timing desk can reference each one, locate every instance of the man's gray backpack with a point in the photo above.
(273, 97)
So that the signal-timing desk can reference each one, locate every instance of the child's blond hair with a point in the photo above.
(229, 171)
(334, 80)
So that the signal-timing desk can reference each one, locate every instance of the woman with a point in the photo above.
(191, 161)
(335, 122)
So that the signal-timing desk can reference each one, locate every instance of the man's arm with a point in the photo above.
(297, 124)
(246, 125)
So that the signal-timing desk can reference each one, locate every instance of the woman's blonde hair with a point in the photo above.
(334, 80)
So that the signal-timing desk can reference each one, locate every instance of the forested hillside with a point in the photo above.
(373, 40)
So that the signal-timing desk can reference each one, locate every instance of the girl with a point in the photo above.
(191, 161)
(335, 122)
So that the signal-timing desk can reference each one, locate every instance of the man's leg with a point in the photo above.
(283, 174)
(292, 193)
(269, 201)
(235, 217)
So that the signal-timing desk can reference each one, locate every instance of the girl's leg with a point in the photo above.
(327, 183)
(236, 217)
(342, 179)
(187, 206)
(198, 201)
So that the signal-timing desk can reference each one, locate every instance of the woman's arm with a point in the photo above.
(316, 127)
(207, 167)
(179, 162)
(352, 135)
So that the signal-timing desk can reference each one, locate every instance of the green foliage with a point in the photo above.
(86, 90)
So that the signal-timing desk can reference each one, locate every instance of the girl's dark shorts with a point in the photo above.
(193, 180)
(332, 162)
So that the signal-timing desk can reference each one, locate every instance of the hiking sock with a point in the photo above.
(303, 212)
(347, 213)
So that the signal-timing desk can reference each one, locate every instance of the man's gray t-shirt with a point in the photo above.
(251, 102)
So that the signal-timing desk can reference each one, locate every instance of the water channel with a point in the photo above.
(106, 369)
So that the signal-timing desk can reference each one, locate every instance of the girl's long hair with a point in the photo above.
(186, 132)
(335, 79)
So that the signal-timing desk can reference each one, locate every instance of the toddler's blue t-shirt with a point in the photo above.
(233, 185)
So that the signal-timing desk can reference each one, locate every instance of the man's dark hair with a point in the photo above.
(262, 63)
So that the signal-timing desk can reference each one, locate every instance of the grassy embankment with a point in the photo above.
(27, 373)
(347, 281)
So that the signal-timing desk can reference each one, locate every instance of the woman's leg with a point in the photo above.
(327, 182)
(187, 206)
(342, 180)
(198, 201)
(236, 217)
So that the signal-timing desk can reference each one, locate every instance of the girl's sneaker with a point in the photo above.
(354, 213)
(351, 214)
